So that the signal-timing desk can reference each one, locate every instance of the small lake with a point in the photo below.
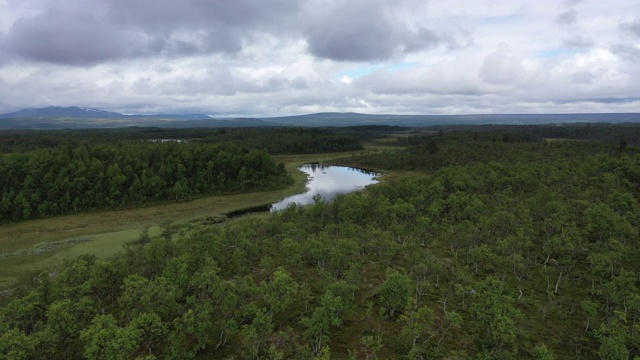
(327, 182)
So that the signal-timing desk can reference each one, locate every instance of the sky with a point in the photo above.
(287, 57)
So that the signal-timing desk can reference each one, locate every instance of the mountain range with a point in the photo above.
(56, 117)
(89, 113)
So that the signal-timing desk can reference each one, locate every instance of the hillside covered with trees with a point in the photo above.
(508, 250)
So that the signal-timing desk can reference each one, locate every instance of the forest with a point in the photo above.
(507, 246)
(275, 140)
(57, 172)
(65, 179)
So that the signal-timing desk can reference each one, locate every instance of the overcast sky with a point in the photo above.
(286, 57)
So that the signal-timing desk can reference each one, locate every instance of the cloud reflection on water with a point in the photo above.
(328, 181)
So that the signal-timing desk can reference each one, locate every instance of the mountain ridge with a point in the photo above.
(77, 112)
(56, 117)
(354, 119)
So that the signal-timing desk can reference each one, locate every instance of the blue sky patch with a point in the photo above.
(368, 69)
(501, 20)
(557, 52)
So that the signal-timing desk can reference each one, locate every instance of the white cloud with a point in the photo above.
(501, 68)
(281, 57)
(346, 79)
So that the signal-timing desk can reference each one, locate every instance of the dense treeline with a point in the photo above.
(372, 132)
(63, 179)
(275, 140)
(601, 132)
(509, 250)
(460, 147)
(28, 140)
(287, 140)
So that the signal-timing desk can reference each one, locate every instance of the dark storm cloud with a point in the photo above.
(91, 32)
(365, 31)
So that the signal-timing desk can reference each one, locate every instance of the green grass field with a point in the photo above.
(44, 244)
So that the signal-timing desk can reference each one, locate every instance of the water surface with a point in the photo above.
(327, 182)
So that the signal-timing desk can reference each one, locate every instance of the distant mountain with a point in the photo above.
(172, 116)
(59, 111)
(75, 112)
(355, 119)
(67, 123)
(73, 117)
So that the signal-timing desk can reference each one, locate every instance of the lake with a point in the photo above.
(327, 182)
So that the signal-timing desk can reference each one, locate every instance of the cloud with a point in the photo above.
(631, 27)
(578, 42)
(628, 52)
(281, 57)
(365, 31)
(628, 46)
(84, 41)
(566, 18)
(501, 68)
(582, 77)
(91, 32)
(346, 79)
(165, 16)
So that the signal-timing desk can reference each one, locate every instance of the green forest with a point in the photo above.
(65, 179)
(50, 173)
(507, 246)
(275, 140)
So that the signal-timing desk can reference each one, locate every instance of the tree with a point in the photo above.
(541, 352)
(280, 291)
(622, 145)
(256, 334)
(394, 291)
(613, 338)
(416, 322)
(151, 329)
(16, 345)
(372, 345)
(65, 320)
(494, 313)
(140, 295)
(104, 339)
(324, 316)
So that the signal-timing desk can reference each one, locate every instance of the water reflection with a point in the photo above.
(327, 182)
